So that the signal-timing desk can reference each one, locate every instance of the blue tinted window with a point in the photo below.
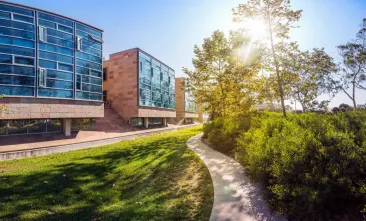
(5, 58)
(47, 64)
(15, 50)
(87, 79)
(55, 57)
(78, 82)
(91, 51)
(81, 70)
(88, 57)
(55, 19)
(60, 34)
(88, 30)
(65, 67)
(92, 44)
(16, 80)
(88, 64)
(16, 91)
(52, 48)
(59, 84)
(5, 15)
(44, 92)
(155, 89)
(47, 24)
(97, 97)
(10, 8)
(11, 69)
(15, 24)
(17, 33)
(60, 42)
(25, 61)
(82, 95)
(59, 75)
(16, 41)
(96, 73)
(22, 18)
(66, 29)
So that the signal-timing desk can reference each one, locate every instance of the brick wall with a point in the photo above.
(121, 84)
(38, 108)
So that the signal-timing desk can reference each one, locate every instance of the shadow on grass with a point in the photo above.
(131, 180)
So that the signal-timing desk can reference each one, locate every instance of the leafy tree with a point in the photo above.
(353, 72)
(308, 71)
(278, 18)
(221, 80)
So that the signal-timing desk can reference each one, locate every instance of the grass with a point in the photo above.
(150, 178)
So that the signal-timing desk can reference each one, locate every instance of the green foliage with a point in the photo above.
(222, 132)
(278, 18)
(223, 81)
(151, 178)
(313, 165)
(352, 75)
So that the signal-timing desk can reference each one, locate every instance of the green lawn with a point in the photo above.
(151, 178)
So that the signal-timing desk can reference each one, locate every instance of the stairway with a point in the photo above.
(112, 122)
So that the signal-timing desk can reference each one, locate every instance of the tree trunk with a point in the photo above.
(354, 95)
(279, 79)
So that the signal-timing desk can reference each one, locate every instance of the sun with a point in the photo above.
(256, 28)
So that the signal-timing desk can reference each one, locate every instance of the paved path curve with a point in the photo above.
(236, 197)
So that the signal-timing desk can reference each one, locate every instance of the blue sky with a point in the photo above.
(168, 29)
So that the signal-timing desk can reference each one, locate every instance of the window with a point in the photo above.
(47, 24)
(42, 77)
(5, 58)
(6, 15)
(17, 127)
(42, 33)
(17, 33)
(78, 82)
(64, 28)
(105, 74)
(48, 92)
(22, 18)
(24, 61)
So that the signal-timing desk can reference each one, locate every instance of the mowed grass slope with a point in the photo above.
(150, 178)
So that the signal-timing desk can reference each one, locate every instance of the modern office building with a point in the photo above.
(186, 105)
(50, 72)
(139, 87)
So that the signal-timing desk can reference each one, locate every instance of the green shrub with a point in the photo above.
(313, 165)
(222, 132)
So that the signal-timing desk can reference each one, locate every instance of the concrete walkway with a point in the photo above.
(236, 197)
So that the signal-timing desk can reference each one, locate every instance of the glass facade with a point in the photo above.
(190, 104)
(33, 126)
(44, 55)
(156, 82)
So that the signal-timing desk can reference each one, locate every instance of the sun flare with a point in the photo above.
(256, 28)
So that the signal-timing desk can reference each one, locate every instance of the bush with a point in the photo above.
(313, 165)
(222, 132)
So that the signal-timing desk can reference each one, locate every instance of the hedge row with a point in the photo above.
(313, 165)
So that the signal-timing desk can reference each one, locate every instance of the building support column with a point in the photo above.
(146, 122)
(164, 121)
(66, 127)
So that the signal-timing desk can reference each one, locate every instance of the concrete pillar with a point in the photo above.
(146, 122)
(164, 121)
(66, 127)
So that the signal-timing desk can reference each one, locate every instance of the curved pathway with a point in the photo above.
(236, 197)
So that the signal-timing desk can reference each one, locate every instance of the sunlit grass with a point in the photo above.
(151, 178)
